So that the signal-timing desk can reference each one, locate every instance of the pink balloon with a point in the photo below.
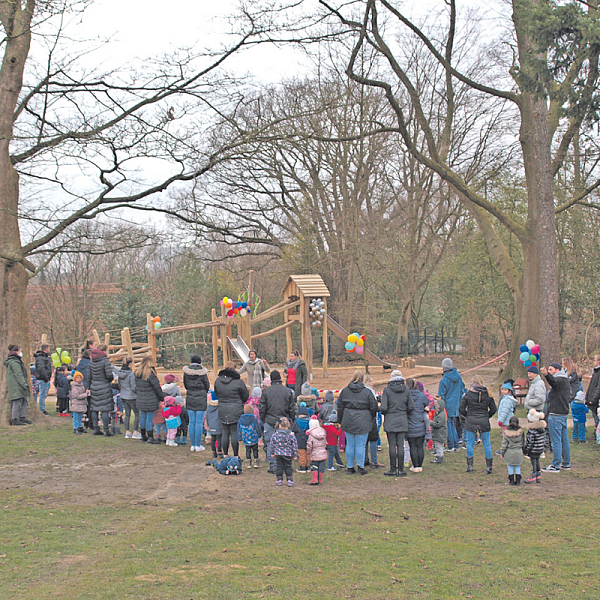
(360, 349)
(535, 349)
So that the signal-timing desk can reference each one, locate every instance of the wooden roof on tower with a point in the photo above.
(311, 286)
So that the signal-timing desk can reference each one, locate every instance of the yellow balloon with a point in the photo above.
(360, 342)
(352, 338)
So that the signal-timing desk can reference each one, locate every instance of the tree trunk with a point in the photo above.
(403, 323)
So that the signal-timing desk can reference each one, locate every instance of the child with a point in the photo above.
(284, 448)
(170, 387)
(182, 430)
(300, 428)
(333, 432)
(306, 396)
(79, 402)
(506, 406)
(534, 443)
(327, 407)
(598, 427)
(579, 411)
(512, 450)
(254, 400)
(61, 384)
(171, 409)
(117, 414)
(439, 429)
(159, 422)
(316, 446)
(249, 432)
(212, 424)
(35, 386)
(231, 465)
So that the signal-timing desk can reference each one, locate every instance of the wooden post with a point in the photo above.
(224, 333)
(107, 339)
(44, 339)
(151, 338)
(215, 342)
(229, 334)
(288, 333)
(307, 352)
(96, 337)
(248, 317)
(325, 341)
(126, 341)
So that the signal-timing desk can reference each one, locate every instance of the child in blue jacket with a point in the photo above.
(63, 389)
(249, 432)
(579, 411)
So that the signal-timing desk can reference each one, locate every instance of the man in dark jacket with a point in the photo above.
(276, 401)
(559, 399)
(43, 374)
(592, 396)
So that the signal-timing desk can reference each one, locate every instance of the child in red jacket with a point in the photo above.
(333, 432)
(171, 409)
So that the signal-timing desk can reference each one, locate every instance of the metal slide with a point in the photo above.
(240, 348)
(368, 355)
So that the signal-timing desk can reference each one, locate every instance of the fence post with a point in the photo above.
(425, 341)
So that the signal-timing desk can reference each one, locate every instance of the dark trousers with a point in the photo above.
(95, 414)
(283, 464)
(396, 444)
(62, 404)
(417, 450)
(215, 443)
(252, 450)
(229, 432)
(535, 463)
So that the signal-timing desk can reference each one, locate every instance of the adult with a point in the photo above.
(276, 401)
(592, 396)
(99, 383)
(195, 381)
(128, 397)
(357, 408)
(83, 364)
(477, 406)
(451, 390)
(396, 406)
(257, 369)
(559, 403)
(148, 397)
(232, 394)
(17, 383)
(43, 374)
(418, 423)
(571, 370)
(296, 372)
(536, 394)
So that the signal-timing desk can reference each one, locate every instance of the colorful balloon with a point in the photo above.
(360, 349)
(157, 325)
(353, 338)
(535, 349)
(523, 348)
(157, 319)
(243, 312)
(524, 356)
(67, 360)
(349, 346)
(527, 363)
(360, 343)
(530, 344)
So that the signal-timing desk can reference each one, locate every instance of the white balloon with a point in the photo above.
(319, 324)
(530, 344)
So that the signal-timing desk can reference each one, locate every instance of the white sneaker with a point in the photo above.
(192, 448)
(200, 448)
(136, 435)
(128, 434)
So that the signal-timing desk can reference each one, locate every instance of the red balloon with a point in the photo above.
(230, 312)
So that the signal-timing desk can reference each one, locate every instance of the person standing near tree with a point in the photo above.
(451, 390)
(43, 374)
(559, 401)
(17, 384)
(592, 396)
(257, 369)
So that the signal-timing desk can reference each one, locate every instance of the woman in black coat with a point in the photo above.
(418, 424)
(195, 381)
(477, 406)
(396, 405)
(99, 378)
(148, 396)
(232, 394)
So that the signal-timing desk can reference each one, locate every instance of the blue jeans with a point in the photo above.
(485, 438)
(373, 458)
(452, 433)
(333, 452)
(77, 420)
(161, 427)
(559, 436)
(514, 469)
(268, 432)
(146, 420)
(355, 447)
(44, 389)
(579, 432)
(195, 427)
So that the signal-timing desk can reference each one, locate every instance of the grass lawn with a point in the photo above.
(441, 534)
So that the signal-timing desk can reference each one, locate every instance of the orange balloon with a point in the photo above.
(157, 319)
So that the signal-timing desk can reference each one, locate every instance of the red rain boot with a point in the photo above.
(315, 479)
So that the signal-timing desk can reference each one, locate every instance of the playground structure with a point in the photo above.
(297, 294)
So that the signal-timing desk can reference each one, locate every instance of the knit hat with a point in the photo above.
(305, 389)
(196, 359)
(533, 416)
(333, 417)
(303, 411)
(170, 378)
(507, 386)
(533, 370)
(396, 374)
(447, 364)
(420, 386)
(556, 365)
(169, 401)
(248, 409)
(275, 375)
(579, 397)
(314, 422)
(77, 374)
(328, 396)
(256, 392)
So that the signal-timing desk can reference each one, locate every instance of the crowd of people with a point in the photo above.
(291, 421)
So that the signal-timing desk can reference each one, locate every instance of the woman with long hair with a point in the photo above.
(148, 396)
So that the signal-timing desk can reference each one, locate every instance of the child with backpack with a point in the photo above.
(284, 448)
(249, 432)
(333, 432)
(534, 443)
(300, 429)
(579, 411)
(316, 446)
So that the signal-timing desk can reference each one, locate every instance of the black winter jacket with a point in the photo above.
(592, 396)
(396, 405)
(301, 377)
(276, 401)
(232, 394)
(195, 381)
(559, 396)
(417, 425)
(148, 393)
(99, 382)
(574, 381)
(356, 408)
(43, 366)
(477, 406)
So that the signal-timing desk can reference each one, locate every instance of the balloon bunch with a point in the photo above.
(355, 343)
(60, 357)
(157, 323)
(235, 307)
(530, 353)
(317, 312)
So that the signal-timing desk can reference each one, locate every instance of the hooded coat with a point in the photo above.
(439, 424)
(418, 421)
(559, 396)
(536, 437)
(451, 390)
(212, 417)
(249, 430)
(17, 381)
(477, 406)
(356, 408)
(276, 401)
(126, 383)
(316, 445)
(512, 446)
(149, 394)
(99, 382)
(195, 381)
(536, 395)
(232, 393)
(43, 366)
(397, 405)
(592, 395)
(506, 408)
(578, 408)
(79, 399)
(301, 377)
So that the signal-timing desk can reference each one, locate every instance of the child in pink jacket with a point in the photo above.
(171, 409)
(316, 447)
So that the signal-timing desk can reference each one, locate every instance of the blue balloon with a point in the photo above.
(524, 356)
(350, 345)
(523, 348)
(527, 363)
(244, 305)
